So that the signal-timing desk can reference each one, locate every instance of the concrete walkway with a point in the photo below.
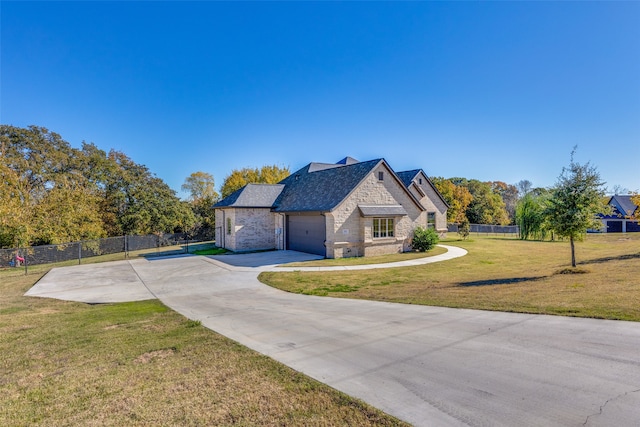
(277, 261)
(430, 366)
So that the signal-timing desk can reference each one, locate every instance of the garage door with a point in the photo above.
(633, 227)
(614, 226)
(306, 234)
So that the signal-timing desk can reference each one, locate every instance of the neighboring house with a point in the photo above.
(346, 209)
(623, 217)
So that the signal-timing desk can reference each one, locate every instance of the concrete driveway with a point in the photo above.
(430, 366)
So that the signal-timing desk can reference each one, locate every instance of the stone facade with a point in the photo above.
(377, 195)
(350, 234)
(431, 201)
(247, 229)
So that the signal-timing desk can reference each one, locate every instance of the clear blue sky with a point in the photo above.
(485, 90)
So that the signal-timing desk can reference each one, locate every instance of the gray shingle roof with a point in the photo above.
(317, 187)
(625, 203)
(382, 210)
(407, 176)
(252, 196)
(321, 190)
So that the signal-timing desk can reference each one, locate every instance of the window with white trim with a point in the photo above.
(383, 227)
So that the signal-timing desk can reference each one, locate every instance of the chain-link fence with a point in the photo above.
(48, 254)
(488, 229)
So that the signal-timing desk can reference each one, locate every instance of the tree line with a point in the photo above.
(54, 193)
(477, 202)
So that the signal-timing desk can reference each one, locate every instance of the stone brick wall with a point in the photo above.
(251, 228)
(254, 229)
(349, 234)
(224, 239)
(433, 203)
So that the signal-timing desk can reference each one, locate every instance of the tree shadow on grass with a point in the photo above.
(505, 281)
(611, 258)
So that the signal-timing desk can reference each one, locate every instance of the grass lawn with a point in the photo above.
(500, 273)
(211, 251)
(65, 363)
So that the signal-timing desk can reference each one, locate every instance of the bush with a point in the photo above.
(424, 239)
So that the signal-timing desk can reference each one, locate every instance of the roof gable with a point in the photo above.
(623, 205)
(407, 176)
(413, 176)
(348, 161)
(314, 189)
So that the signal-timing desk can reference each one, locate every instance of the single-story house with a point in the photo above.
(623, 216)
(345, 209)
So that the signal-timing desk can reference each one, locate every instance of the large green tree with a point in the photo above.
(575, 202)
(15, 208)
(457, 197)
(509, 195)
(52, 199)
(138, 202)
(487, 206)
(202, 197)
(238, 178)
(67, 213)
(530, 215)
(200, 185)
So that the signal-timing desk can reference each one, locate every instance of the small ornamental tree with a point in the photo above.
(464, 228)
(424, 239)
(575, 202)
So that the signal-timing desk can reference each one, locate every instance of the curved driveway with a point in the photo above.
(430, 366)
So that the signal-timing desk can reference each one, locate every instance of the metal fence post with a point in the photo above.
(79, 252)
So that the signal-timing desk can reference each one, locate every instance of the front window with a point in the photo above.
(382, 227)
(431, 220)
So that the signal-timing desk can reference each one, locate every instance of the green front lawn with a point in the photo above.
(141, 364)
(500, 273)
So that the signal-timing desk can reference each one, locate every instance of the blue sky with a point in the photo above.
(486, 90)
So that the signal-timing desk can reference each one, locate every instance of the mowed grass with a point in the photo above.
(134, 364)
(503, 274)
